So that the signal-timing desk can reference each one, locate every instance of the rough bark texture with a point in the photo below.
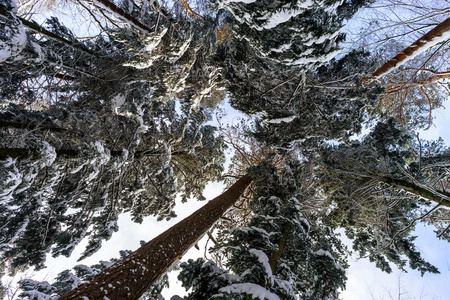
(275, 257)
(392, 63)
(131, 277)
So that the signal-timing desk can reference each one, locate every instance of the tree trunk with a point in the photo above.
(131, 277)
(413, 48)
(275, 257)
(441, 197)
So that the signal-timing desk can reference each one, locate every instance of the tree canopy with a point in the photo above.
(120, 121)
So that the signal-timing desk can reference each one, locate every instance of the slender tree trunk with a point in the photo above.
(441, 197)
(275, 257)
(413, 48)
(132, 276)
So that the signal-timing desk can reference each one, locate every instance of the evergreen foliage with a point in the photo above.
(108, 137)
(377, 188)
(78, 180)
(13, 38)
(278, 255)
(315, 110)
(70, 279)
(94, 128)
(292, 106)
(299, 33)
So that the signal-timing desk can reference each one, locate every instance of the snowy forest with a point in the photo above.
(111, 108)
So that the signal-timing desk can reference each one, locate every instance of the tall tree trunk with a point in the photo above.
(275, 257)
(131, 277)
(413, 48)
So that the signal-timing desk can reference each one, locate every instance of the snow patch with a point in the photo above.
(322, 252)
(15, 36)
(254, 290)
(117, 102)
(264, 260)
(282, 120)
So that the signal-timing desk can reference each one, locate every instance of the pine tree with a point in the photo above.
(107, 138)
(68, 280)
(325, 103)
(132, 276)
(380, 190)
(413, 77)
(431, 38)
(299, 33)
(13, 39)
(282, 253)
(138, 168)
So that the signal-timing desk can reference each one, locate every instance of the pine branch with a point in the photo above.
(39, 29)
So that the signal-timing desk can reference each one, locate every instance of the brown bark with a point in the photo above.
(275, 257)
(132, 276)
(394, 87)
(414, 47)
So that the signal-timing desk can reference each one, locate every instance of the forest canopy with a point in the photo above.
(107, 108)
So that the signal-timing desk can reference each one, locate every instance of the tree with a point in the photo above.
(101, 143)
(411, 95)
(56, 68)
(13, 41)
(296, 33)
(91, 129)
(282, 253)
(380, 191)
(68, 280)
(414, 85)
(419, 83)
(269, 81)
(428, 40)
(66, 190)
(132, 276)
(326, 103)
(172, 56)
